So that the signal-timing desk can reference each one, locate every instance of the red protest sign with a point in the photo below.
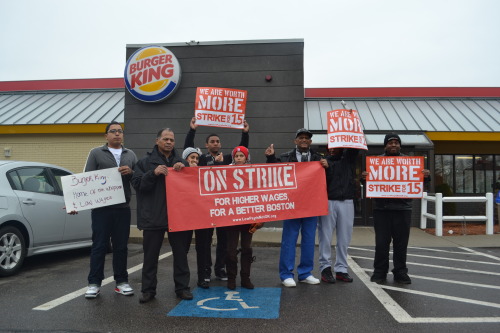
(220, 107)
(394, 176)
(345, 130)
(206, 197)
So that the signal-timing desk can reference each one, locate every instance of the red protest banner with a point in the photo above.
(394, 176)
(345, 130)
(220, 107)
(206, 197)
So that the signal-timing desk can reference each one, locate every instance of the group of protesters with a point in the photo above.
(147, 176)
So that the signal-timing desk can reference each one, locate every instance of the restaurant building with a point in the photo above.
(456, 129)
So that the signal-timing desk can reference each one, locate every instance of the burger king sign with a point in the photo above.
(152, 74)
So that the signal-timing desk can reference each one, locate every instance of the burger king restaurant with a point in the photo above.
(456, 130)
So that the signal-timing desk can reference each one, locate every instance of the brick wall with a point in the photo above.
(66, 150)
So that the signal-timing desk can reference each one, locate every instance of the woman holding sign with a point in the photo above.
(240, 156)
(203, 236)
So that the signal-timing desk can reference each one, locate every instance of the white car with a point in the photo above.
(32, 215)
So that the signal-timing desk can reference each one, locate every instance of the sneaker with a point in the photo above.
(124, 289)
(289, 283)
(92, 291)
(310, 280)
(402, 278)
(378, 277)
(343, 277)
(327, 276)
(221, 275)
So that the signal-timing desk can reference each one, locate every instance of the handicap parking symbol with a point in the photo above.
(220, 302)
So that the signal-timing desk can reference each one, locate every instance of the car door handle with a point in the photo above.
(29, 202)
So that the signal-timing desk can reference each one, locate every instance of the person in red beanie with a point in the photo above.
(240, 156)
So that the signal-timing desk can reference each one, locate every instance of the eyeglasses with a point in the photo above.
(113, 131)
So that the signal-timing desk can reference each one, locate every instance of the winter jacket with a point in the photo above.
(101, 158)
(392, 203)
(291, 156)
(208, 159)
(340, 174)
(150, 190)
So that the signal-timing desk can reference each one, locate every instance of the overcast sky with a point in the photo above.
(348, 43)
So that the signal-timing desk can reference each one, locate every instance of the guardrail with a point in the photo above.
(439, 218)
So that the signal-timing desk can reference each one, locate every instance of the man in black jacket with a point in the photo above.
(149, 184)
(392, 222)
(306, 226)
(213, 157)
(340, 219)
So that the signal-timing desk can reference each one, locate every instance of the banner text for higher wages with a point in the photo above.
(206, 197)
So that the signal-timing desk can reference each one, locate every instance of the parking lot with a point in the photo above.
(454, 288)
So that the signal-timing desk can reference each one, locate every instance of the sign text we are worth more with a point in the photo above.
(394, 176)
(220, 107)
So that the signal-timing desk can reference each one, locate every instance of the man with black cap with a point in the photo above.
(392, 221)
(306, 226)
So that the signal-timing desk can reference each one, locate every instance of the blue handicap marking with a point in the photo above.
(220, 302)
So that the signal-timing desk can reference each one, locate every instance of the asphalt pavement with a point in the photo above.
(365, 236)
(455, 289)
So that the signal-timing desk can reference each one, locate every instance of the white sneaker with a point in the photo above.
(124, 289)
(310, 280)
(289, 282)
(92, 291)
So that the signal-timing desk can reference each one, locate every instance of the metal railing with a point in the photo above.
(439, 218)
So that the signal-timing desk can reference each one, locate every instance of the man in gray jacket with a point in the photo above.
(111, 221)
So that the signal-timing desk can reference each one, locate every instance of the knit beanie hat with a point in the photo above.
(242, 149)
(189, 150)
(391, 136)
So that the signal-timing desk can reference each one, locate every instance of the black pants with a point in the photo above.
(391, 225)
(152, 242)
(220, 250)
(233, 238)
(239, 234)
(203, 252)
(115, 223)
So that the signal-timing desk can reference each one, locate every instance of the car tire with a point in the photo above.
(12, 250)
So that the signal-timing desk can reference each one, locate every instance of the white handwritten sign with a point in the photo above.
(92, 189)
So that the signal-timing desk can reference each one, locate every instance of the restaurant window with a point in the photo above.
(466, 174)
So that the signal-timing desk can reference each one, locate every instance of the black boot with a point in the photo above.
(232, 269)
(246, 263)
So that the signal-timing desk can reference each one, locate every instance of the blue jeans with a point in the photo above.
(291, 228)
(109, 223)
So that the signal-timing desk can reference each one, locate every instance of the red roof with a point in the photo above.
(402, 92)
(309, 92)
(62, 84)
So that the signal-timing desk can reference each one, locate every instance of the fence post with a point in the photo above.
(423, 211)
(489, 213)
(439, 214)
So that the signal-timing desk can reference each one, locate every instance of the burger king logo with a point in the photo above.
(152, 74)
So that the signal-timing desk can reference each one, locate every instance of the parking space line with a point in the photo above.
(471, 251)
(445, 258)
(471, 284)
(453, 259)
(438, 266)
(78, 293)
(401, 316)
(441, 296)
(396, 311)
(440, 250)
